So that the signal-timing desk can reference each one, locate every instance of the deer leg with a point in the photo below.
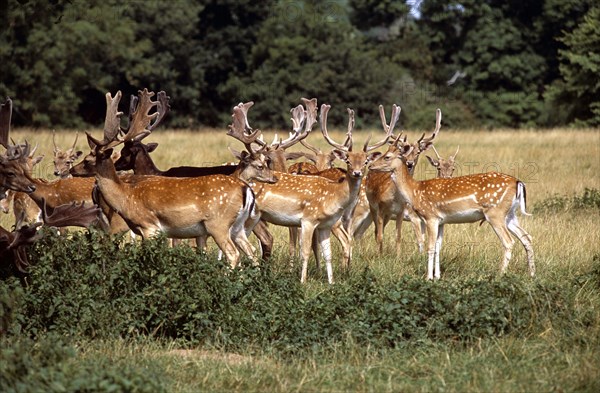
(503, 234)
(344, 237)
(315, 250)
(526, 241)
(432, 234)
(306, 237)
(293, 246)
(379, 227)
(261, 231)
(228, 247)
(241, 240)
(438, 249)
(418, 227)
(324, 236)
(399, 222)
(361, 224)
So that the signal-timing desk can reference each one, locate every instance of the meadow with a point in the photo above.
(561, 169)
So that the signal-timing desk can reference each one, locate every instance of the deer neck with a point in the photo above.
(405, 183)
(143, 165)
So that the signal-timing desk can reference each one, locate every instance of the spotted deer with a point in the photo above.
(64, 159)
(13, 163)
(25, 209)
(315, 204)
(213, 205)
(444, 167)
(493, 197)
(385, 202)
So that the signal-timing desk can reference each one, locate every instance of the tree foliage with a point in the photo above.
(492, 62)
(578, 92)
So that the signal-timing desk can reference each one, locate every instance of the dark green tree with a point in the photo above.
(576, 96)
(314, 52)
(227, 31)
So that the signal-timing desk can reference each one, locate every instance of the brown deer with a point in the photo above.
(385, 202)
(492, 197)
(444, 167)
(315, 204)
(25, 209)
(64, 159)
(12, 244)
(213, 205)
(13, 162)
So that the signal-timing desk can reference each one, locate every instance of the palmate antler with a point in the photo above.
(71, 215)
(240, 128)
(141, 121)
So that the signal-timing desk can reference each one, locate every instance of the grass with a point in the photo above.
(558, 163)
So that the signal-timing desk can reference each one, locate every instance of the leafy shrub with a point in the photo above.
(95, 286)
(589, 199)
(48, 365)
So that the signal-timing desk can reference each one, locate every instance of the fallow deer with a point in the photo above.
(444, 167)
(214, 205)
(385, 202)
(13, 161)
(64, 159)
(492, 197)
(316, 204)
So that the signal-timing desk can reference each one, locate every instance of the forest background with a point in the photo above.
(487, 64)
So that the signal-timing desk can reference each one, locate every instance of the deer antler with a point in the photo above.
(75, 141)
(162, 107)
(5, 118)
(436, 152)
(72, 214)
(323, 117)
(141, 119)
(425, 142)
(311, 112)
(239, 127)
(112, 121)
(454, 156)
(301, 118)
(389, 129)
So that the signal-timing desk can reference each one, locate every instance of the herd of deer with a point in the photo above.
(314, 199)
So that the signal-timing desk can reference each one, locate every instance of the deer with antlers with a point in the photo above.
(13, 169)
(444, 167)
(25, 209)
(12, 244)
(492, 197)
(213, 205)
(64, 159)
(315, 204)
(384, 201)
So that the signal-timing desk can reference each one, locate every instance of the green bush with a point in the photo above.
(589, 199)
(94, 286)
(49, 365)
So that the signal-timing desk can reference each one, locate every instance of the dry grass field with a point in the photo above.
(559, 162)
(556, 165)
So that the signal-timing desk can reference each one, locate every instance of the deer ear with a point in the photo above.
(37, 160)
(339, 154)
(294, 155)
(433, 162)
(150, 147)
(235, 153)
(78, 154)
(375, 155)
(106, 154)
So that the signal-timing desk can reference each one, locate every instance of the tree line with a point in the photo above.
(491, 63)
